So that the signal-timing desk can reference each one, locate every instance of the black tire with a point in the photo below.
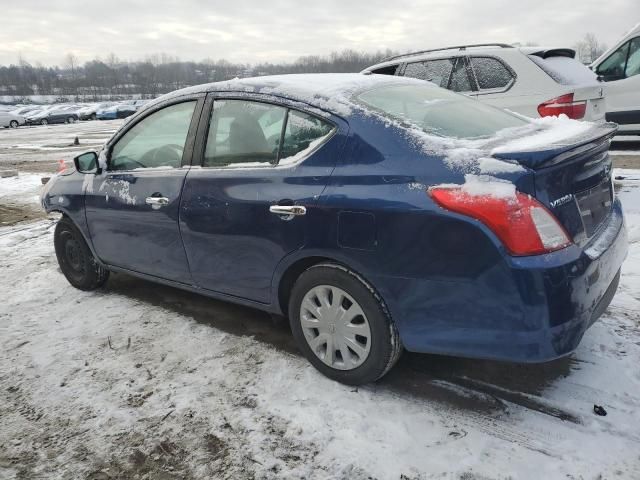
(75, 258)
(385, 348)
(14, 124)
(93, 116)
(71, 120)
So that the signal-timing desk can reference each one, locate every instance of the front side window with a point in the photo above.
(439, 112)
(633, 61)
(614, 65)
(491, 73)
(156, 141)
(248, 133)
(434, 71)
(460, 78)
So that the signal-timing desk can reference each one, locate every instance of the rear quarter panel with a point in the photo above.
(377, 217)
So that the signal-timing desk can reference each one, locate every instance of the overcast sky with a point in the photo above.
(282, 30)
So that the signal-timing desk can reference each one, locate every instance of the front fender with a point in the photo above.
(65, 194)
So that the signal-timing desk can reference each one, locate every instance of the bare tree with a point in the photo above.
(71, 63)
(589, 48)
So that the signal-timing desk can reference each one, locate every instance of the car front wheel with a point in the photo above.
(342, 325)
(75, 258)
(13, 124)
(44, 121)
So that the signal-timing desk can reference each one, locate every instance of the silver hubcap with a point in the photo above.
(335, 327)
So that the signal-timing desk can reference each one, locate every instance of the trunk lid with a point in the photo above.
(594, 96)
(572, 178)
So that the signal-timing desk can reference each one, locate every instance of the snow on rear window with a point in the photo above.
(565, 70)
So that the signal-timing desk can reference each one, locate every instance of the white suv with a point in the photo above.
(532, 81)
(620, 68)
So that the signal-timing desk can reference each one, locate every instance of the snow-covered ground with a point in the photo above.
(141, 381)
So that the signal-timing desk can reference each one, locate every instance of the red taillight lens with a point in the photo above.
(523, 224)
(564, 104)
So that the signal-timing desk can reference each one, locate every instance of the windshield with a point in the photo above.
(439, 111)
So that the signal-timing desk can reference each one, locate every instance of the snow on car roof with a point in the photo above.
(328, 91)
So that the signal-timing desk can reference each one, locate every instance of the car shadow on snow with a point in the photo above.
(481, 386)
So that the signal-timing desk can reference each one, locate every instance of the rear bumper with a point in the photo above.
(530, 309)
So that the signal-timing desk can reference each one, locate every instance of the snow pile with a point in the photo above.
(24, 188)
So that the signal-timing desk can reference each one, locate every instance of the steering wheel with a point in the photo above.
(163, 156)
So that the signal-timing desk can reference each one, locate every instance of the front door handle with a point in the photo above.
(156, 202)
(288, 212)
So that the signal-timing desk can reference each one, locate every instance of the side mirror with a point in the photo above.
(87, 163)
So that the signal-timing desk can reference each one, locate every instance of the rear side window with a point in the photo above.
(255, 134)
(434, 71)
(438, 111)
(565, 70)
(243, 132)
(156, 141)
(491, 73)
(302, 134)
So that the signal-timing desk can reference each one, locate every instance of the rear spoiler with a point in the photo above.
(553, 52)
(561, 152)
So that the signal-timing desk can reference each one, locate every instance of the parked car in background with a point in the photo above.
(338, 202)
(10, 119)
(619, 67)
(54, 114)
(116, 111)
(90, 112)
(25, 111)
(532, 81)
(138, 103)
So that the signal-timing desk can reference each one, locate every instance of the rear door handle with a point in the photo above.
(157, 202)
(288, 212)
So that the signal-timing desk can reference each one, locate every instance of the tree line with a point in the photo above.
(111, 78)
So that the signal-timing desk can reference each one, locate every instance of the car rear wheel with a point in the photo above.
(76, 261)
(44, 121)
(71, 120)
(93, 116)
(342, 325)
(13, 124)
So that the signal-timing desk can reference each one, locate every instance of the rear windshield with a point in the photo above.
(565, 70)
(438, 111)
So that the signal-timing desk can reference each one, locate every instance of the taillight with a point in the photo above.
(523, 224)
(563, 104)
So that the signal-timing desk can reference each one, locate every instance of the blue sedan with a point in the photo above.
(377, 213)
(115, 111)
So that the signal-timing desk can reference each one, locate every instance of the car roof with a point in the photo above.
(447, 52)
(328, 91)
